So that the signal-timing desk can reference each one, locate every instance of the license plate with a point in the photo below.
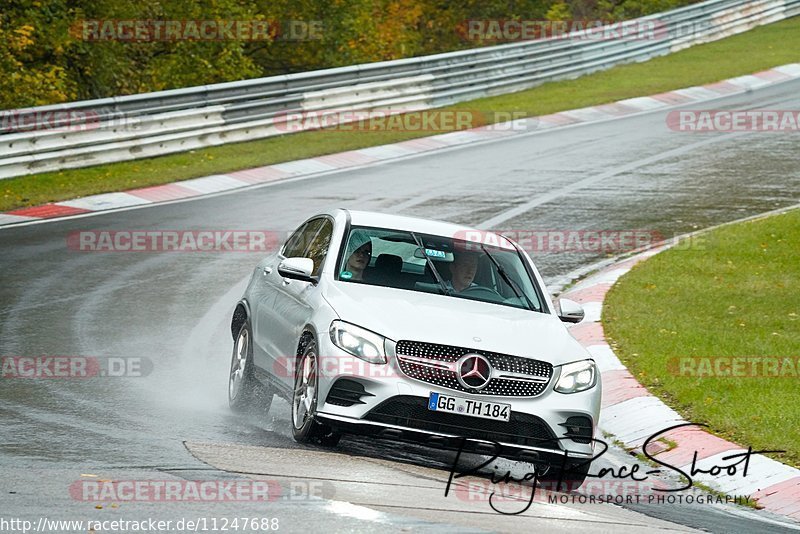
(483, 409)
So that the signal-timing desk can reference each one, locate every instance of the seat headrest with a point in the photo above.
(389, 262)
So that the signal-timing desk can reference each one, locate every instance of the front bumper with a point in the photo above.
(382, 384)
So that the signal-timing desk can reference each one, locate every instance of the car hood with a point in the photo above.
(418, 316)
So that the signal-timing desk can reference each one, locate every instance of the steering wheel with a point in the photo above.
(479, 291)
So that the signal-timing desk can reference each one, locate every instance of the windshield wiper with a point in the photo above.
(436, 275)
(510, 281)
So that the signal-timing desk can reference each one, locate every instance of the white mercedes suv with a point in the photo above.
(411, 329)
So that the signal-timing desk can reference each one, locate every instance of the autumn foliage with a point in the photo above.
(45, 58)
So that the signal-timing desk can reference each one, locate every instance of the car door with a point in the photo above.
(293, 299)
(265, 330)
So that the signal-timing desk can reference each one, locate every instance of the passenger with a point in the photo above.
(462, 270)
(360, 254)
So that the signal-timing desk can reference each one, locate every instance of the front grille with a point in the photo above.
(412, 412)
(530, 376)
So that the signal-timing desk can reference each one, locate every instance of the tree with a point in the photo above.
(34, 51)
(47, 55)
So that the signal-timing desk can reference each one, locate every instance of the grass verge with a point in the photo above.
(759, 49)
(735, 294)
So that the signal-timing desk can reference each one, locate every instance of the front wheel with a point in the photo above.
(305, 427)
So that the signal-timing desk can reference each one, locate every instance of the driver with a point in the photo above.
(462, 270)
(360, 252)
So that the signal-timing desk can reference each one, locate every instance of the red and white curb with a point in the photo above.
(379, 154)
(632, 414)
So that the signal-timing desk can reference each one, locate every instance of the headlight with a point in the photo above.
(359, 342)
(577, 376)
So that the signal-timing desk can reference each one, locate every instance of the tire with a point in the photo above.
(245, 393)
(305, 427)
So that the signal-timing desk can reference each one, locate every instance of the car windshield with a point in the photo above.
(489, 272)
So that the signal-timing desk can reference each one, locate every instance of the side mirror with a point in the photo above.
(570, 311)
(298, 269)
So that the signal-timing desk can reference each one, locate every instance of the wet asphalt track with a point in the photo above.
(174, 308)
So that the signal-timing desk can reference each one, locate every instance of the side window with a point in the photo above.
(295, 245)
(318, 248)
(311, 241)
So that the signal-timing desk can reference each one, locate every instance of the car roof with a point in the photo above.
(413, 224)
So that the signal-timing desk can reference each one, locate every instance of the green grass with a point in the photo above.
(737, 293)
(758, 49)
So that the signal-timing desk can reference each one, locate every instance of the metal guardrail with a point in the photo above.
(137, 126)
